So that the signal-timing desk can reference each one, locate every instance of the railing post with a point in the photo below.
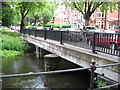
(21, 31)
(61, 37)
(44, 34)
(35, 32)
(29, 32)
(93, 68)
(118, 53)
(93, 43)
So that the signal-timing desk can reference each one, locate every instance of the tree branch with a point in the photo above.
(96, 6)
(85, 4)
(77, 7)
(27, 11)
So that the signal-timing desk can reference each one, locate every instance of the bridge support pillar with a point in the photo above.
(40, 52)
(51, 62)
(37, 52)
(43, 53)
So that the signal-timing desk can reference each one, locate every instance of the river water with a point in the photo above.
(29, 63)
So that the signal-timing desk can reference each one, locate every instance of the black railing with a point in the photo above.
(101, 42)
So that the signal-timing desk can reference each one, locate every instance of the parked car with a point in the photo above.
(73, 34)
(87, 30)
(39, 28)
(30, 27)
(110, 40)
(115, 31)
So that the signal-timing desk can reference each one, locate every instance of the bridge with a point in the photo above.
(76, 48)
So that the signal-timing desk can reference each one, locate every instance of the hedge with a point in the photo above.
(58, 26)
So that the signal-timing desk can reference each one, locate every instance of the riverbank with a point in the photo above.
(11, 44)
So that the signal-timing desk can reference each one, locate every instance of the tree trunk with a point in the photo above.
(22, 25)
(87, 22)
(119, 15)
(105, 25)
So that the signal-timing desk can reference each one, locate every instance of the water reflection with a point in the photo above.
(29, 63)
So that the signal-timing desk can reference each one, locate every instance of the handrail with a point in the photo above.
(43, 73)
(92, 68)
(53, 72)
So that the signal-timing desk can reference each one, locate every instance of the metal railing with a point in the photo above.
(92, 68)
(101, 42)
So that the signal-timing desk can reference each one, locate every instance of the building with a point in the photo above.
(67, 16)
(103, 20)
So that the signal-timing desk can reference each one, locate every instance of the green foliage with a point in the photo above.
(13, 43)
(46, 15)
(7, 14)
(44, 11)
(100, 83)
(9, 54)
(10, 44)
(53, 25)
(7, 32)
(58, 26)
(66, 26)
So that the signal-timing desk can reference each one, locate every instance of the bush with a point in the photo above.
(53, 25)
(100, 83)
(7, 32)
(58, 26)
(13, 43)
(8, 54)
(66, 26)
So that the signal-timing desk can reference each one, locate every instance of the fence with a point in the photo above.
(108, 43)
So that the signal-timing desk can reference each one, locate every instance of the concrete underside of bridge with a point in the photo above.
(79, 56)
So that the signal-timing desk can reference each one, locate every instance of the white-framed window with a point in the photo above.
(73, 17)
(100, 14)
(100, 24)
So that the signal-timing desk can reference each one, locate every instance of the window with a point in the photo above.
(73, 17)
(100, 14)
(100, 24)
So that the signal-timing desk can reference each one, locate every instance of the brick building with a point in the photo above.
(75, 19)
(104, 20)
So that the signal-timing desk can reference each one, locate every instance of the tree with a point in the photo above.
(24, 8)
(48, 12)
(43, 12)
(35, 14)
(88, 7)
(118, 15)
(7, 14)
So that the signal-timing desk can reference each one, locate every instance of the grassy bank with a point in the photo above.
(11, 44)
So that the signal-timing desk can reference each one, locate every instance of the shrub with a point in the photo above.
(8, 54)
(13, 43)
(100, 83)
(58, 25)
(66, 26)
(10, 44)
(7, 32)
